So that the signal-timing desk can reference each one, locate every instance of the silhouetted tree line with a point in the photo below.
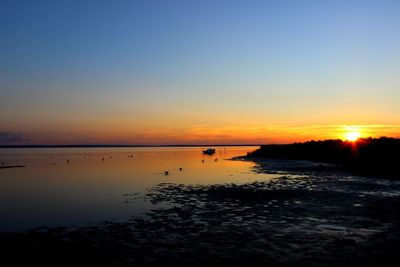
(368, 156)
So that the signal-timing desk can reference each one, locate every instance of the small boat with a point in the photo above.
(209, 151)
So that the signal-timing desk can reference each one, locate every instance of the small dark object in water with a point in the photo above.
(202, 160)
(2, 163)
(12, 166)
(166, 172)
(209, 151)
(110, 157)
(67, 160)
(216, 159)
(180, 169)
(102, 159)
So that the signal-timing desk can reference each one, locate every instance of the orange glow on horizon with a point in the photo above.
(200, 134)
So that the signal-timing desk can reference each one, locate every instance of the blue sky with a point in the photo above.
(79, 68)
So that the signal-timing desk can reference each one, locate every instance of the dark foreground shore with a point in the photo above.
(307, 217)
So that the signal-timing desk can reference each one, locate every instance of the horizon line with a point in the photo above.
(118, 145)
(165, 145)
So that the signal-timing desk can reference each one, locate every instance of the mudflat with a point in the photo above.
(303, 218)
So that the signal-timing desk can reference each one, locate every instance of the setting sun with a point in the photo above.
(352, 136)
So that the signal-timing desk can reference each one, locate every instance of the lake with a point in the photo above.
(84, 186)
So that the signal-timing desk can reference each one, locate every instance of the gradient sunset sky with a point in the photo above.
(196, 72)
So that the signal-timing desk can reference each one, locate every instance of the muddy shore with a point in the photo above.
(307, 217)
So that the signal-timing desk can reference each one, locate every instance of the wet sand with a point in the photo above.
(307, 217)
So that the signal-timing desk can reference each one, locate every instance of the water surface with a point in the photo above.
(84, 186)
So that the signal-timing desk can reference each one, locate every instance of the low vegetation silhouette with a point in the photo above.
(366, 156)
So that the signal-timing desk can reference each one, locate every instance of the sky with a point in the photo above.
(197, 72)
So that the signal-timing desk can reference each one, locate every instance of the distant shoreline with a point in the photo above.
(366, 156)
(120, 146)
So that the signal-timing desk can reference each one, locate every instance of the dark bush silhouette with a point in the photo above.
(367, 156)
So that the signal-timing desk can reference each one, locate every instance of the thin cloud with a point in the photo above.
(9, 138)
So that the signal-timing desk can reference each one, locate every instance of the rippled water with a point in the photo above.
(83, 186)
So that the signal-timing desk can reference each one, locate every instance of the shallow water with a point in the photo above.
(220, 212)
(52, 192)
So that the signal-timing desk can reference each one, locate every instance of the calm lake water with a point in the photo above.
(51, 192)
